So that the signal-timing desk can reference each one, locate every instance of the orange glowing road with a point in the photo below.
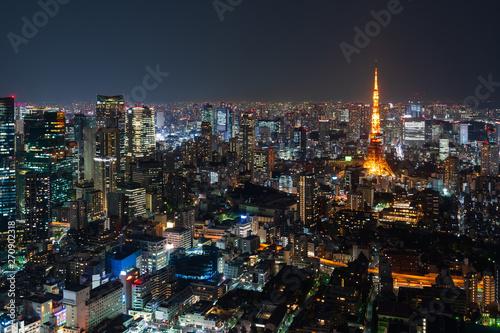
(400, 280)
(60, 224)
(403, 280)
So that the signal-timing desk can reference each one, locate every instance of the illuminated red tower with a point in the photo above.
(375, 162)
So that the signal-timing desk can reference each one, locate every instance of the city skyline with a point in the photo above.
(246, 166)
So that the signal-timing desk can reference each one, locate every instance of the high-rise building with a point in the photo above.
(299, 142)
(299, 250)
(470, 286)
(7, 165)
(207, 115)
(38, 208)
(451, 179)
(205, 148)
(489, 290)
(489, 159)
(307, 199)
(78, 215)
(414, 131)
(109, 107)
(154, 252)
(385, 275)
(464, 133)
(260, 165)
(106, 162)
(247, 137)
(444, 147)
(46, 152)
(135, 198)
(89, 136)
(224, 119)
(324, 132)
(140, 141)
(176, 189)
(375, 162)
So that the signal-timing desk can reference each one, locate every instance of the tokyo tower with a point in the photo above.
(375, 162)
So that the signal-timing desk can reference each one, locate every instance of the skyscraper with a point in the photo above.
(385, 275)
(78, 219)
(140, 141)
(109, 107)
(107, 162)
(375, 162)
(324, 132)
(247, 137)
(260, 165)
(299, 149)
(206, 147)
(225, 122)
(451, 174)
(307, 199)
(38, 208)
(89, 136)
(7, 166)
(46, 152)
(464, 133)
(207, 115)
(489, 159)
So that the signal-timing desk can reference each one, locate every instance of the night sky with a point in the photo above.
(280, 50)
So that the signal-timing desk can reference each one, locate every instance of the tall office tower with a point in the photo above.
(307, 199)
(299, 143)
(464, 134)
(444, 147)
(375, 162)
(46, 152)
(451, 165)
(260, 166)
(80, 122)
(140, 141)
(247, 138)
(489, 159)
(78, 219)
(324, 132)
(224, 119)
(414, 131)
(207, 114)
(20, 110)
(415, 110)
(176, 189)
(109, 107)
(206, 147)
(107, 162)
(7, 163)
(134, 199)
(489, 290)
(385, 274)
(470, 286)
(38, 209)
(89, 135)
